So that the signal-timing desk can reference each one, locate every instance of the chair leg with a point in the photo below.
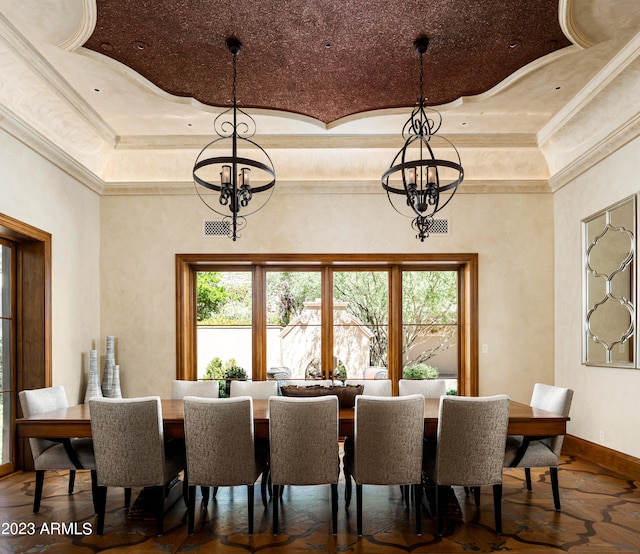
(158, 492)
(476, 496)
(264, 486)
(102, 508)
(276, 499)
(442, 499)
(497, 507)
(72, 480)
(347, 487)
(405, 490)
(191, 509)
(555, 487)
(527, 477)
(185, 488)
(417, 490)
(37, 497)
(94, 490)
(215, 493)
(127, 497)
(334, 507)
(250, 501)
(205, 496)
(359, 508)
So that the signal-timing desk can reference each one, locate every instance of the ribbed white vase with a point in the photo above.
(115, 389)
(93, 381)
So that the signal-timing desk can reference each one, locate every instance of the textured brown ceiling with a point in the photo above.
(326, 59)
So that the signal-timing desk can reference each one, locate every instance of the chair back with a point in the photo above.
(309, 382)
(258, 390)
(472, 433)
(38, 401)
(204, 389)
(552, 399)
(303, 439)
(372, 387)
(219, 439)
(128, 441)
(429, 388)
(388, 435)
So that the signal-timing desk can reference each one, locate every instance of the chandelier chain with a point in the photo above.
(235, 77)
(421, 79)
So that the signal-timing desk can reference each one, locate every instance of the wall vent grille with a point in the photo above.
(439, 227)
(216, 228)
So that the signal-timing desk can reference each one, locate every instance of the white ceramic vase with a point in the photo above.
(93, 382)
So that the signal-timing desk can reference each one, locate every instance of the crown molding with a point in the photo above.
(50, 151)
(620, 61)
(615, 140)
(567, 17)
(186, 188)
(316, 141)
(84, 29)
(37, 64)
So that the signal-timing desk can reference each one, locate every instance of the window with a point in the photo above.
(329, 316)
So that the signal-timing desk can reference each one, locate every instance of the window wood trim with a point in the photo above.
(33, 356)
(187, 265)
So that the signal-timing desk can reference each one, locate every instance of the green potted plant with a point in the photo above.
(232, 371)
(420, 371)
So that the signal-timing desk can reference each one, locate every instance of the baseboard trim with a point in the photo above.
(623, 464)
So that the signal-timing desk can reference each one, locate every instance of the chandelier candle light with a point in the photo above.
(428, 182)
(230, 175)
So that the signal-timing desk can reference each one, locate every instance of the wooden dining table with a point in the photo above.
(74, 421)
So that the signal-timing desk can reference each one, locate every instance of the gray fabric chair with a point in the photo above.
(372, 387)
(386, 448)
(429, 388)
(258, 390)
(63, 454)
(129, 447)
(469, 452)
(528, 452)
(220, 447)
(303, 437)
(204, 389)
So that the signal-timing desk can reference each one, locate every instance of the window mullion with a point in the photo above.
(327, 323)
(395, 325)
(259, 324)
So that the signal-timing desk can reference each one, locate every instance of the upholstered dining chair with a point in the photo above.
(372, 387)
(63, 454)
(527, 452)
(130, 451)
(469, 452)
(220, 447)
(258, 390)
(205, 389)
(429, 388)
(303, 437)
(386, 447)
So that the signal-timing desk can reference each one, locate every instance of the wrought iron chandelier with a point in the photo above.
(230, 175)
(428, 182)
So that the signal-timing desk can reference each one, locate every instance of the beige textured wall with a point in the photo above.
(513, 235)
(605, 399)
(34, 191)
